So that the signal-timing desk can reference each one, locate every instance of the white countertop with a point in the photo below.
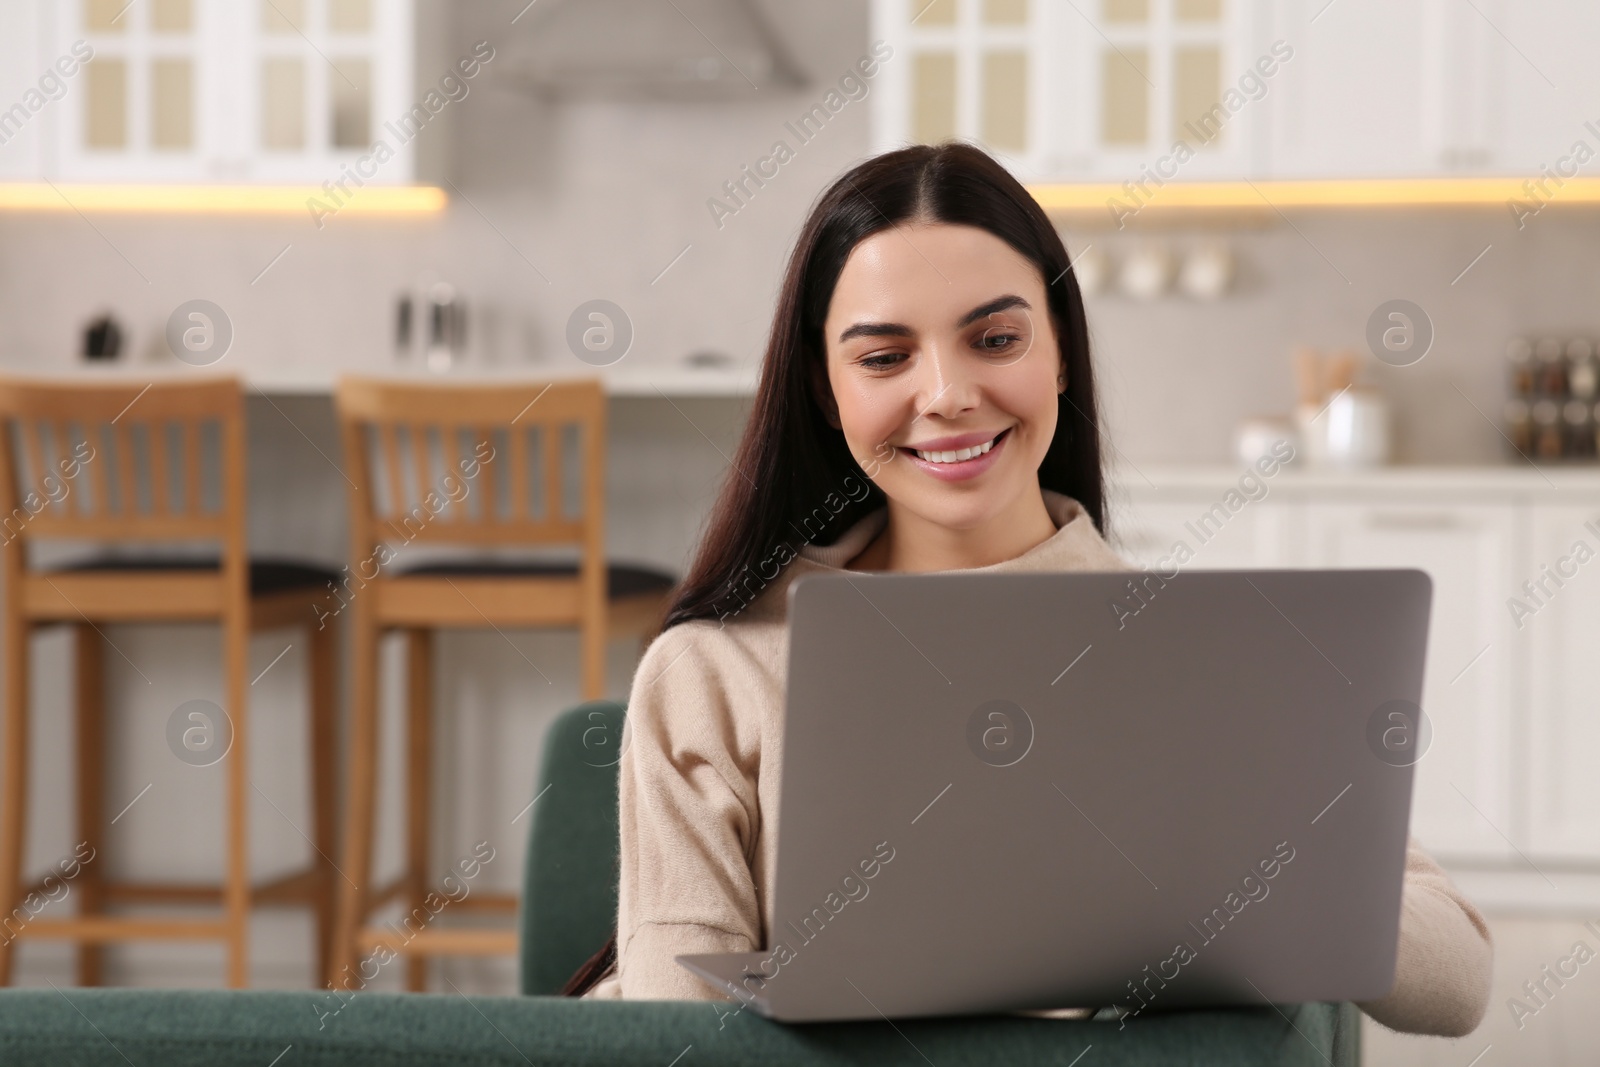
(638, 379)
(1138, 478)
(622, 379)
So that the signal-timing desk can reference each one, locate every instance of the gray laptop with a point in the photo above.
(1027, 791)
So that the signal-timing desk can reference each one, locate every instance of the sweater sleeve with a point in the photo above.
(688, 819)
(1445, 957)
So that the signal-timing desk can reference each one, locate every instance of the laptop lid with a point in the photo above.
(1020, 791)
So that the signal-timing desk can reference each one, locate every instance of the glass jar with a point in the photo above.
(1547, 429)
(1519, 426)
(1583, 376)
(1551, 369)
(1579, 417)
(1519, 357)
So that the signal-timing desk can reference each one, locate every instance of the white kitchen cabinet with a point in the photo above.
(1562, 637)
(1384, 90)
(315, 81)
(970, 68)
(1350, 102)
(1351, 88)
(1146, 532)
(326, 87)
(1548, 86)
(22, 97)
(1506, 795)
(135, 108)
(1462, 804)
(1158, 72)
(1093, 90)
(1464, 789)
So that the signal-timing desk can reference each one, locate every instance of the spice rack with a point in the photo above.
(1553, 414)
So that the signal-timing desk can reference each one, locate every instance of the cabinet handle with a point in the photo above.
(1414, 520)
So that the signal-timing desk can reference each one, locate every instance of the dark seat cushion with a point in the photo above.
(622, 579)
(323, 1028)
(266, 575)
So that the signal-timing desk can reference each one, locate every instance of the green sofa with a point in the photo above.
(570, 903)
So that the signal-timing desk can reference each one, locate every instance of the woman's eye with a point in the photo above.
(879, 362)
(998, 342)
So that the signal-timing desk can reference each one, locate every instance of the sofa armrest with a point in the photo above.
(183, 1028)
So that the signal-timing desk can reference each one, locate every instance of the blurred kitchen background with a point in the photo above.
(1365, 226)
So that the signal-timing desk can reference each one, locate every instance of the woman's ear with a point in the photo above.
(822, 392)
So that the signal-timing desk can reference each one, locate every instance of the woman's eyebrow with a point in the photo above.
(1001, 303)
(895, 329)
(875, 329)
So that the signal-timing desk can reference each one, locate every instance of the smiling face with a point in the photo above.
(940, 346)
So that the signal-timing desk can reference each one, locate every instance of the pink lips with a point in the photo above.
(958, 472)
(955, 444)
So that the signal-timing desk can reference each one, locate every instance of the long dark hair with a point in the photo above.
(790, 460)
(793, 471)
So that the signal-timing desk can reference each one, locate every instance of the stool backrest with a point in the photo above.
(478, 464)
(151, 461)
(569, 888)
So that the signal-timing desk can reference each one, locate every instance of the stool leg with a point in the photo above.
(91, 726)
(236, 882)
(324, 753)
(361, 784)
(14, 800)
(419, 792)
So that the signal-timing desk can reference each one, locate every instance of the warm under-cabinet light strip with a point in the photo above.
(1074, 196)
(222, 199)
(1348, 192)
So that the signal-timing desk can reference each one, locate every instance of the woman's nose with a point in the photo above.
(946, 384)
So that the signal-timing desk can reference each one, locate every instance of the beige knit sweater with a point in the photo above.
(699, 800)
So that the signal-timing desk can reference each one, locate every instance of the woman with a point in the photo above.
(926, 404)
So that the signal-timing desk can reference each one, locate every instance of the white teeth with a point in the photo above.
(960, 456)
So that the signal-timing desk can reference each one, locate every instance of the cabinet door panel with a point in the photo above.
(1148, 530)
(24, 108)
(1462, 804)
(1563, 636)
(1351, 102)
(1070, 91)
(134, 113)
(1373, 88)
(1549, 82)
(237, 91)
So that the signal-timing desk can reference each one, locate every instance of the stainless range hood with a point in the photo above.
(648, 50)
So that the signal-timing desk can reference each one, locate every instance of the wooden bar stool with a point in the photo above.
(478, 466)
(85, 447)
